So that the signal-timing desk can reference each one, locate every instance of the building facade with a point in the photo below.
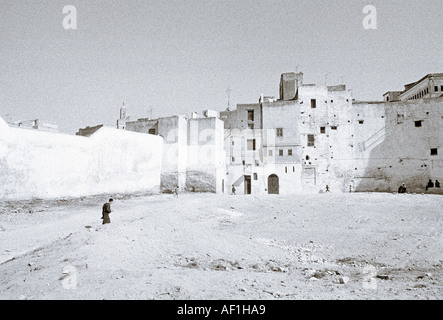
(193, 152)
(317, 138)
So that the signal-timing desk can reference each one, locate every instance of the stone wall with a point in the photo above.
(35, 164)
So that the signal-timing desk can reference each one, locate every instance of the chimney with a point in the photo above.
(289, 83)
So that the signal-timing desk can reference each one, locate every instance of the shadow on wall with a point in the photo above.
(398, 149)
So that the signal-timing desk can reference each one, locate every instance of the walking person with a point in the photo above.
(106, 211)
(233, 190)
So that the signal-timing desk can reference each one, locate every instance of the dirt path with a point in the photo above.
(206, 246)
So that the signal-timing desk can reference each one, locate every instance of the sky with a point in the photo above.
(180, 56)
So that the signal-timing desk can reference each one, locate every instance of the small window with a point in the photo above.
(441, 88)
(232, 142)
(251, 126)
(233, 159)
(436, 88)
(279, 132)
(280, 152)
(334, 128)
(251, 144)
(418, 123)
(250, 115)
(361, 121)
(307, 158)
(286, 169)
(244, 162)
(311, 140)
(313, 103)
(434, 152)
(293, 169)
(289, 152)
(255, 176)
(151, 131)
(322, 129)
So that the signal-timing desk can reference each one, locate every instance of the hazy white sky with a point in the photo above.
(181, 56)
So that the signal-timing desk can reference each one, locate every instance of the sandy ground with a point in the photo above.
(217, 247)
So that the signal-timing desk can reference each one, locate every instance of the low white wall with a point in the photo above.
(35, 164)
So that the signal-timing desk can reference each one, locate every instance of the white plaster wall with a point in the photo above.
(35, 164)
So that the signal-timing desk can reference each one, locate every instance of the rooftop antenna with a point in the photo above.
(326, 78)
(228, 92)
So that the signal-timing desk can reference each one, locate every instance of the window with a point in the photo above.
(289, 152)
(251, 144)
(311, 140)
(251, 126)
(233, 159)
(436, 88)
(255, 176)
(322, 129)
(313, 103)
(418, 123)
(441, 88)
(279, 132)
(280, 152)
(434, 151)
(151, 131)
(361, 121)
(250, 115)
(334, 128)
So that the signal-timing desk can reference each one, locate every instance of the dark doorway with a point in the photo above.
(273, 184)
(247, 184)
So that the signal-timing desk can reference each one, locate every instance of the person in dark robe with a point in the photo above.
(430, 184)
(402, 189)
(437, 184)
(106, 211)
(233, 190)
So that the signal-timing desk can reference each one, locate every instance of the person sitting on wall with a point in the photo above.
(430, 184)
(437, 184)
(402, 189)
(106, 211)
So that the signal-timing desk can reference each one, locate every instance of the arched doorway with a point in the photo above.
(273, 184)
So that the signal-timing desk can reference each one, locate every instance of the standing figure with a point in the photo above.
(430, 184)
(327, 188)
(106, 211)
(437, 184)
(175, 192)
(233, 190)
